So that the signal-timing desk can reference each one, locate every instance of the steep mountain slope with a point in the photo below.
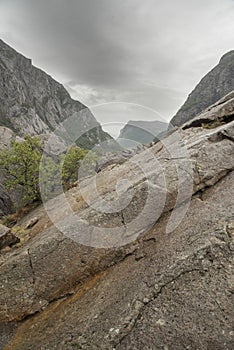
(31, 102)
(216, 84)
(142, 132)
(150, 288)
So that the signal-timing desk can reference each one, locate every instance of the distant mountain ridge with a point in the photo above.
(32, 102)
(216, 84)
(142, 132)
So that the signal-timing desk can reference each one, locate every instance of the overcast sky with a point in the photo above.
(145, 52)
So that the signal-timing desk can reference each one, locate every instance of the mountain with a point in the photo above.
(164, 276)
(216, 84)
(142, 132)
(32, 102)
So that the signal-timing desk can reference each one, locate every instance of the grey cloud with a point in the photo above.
(148, 52)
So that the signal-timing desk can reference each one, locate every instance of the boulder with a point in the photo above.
(7, 238)
(32, 222)
(6, 137)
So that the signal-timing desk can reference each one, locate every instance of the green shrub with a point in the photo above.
(71, 164)
(21, 164)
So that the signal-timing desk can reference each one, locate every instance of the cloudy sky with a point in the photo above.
(148, 54)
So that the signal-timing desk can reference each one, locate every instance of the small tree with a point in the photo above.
(21, 164)
(71, 164)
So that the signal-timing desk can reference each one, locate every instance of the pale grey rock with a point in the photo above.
(6, 137)
(32, 222)
(54, 144)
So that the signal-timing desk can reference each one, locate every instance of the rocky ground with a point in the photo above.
(164, 280)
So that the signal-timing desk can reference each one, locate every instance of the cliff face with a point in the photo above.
(216, 84)
(157, 289)
(32, 102)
